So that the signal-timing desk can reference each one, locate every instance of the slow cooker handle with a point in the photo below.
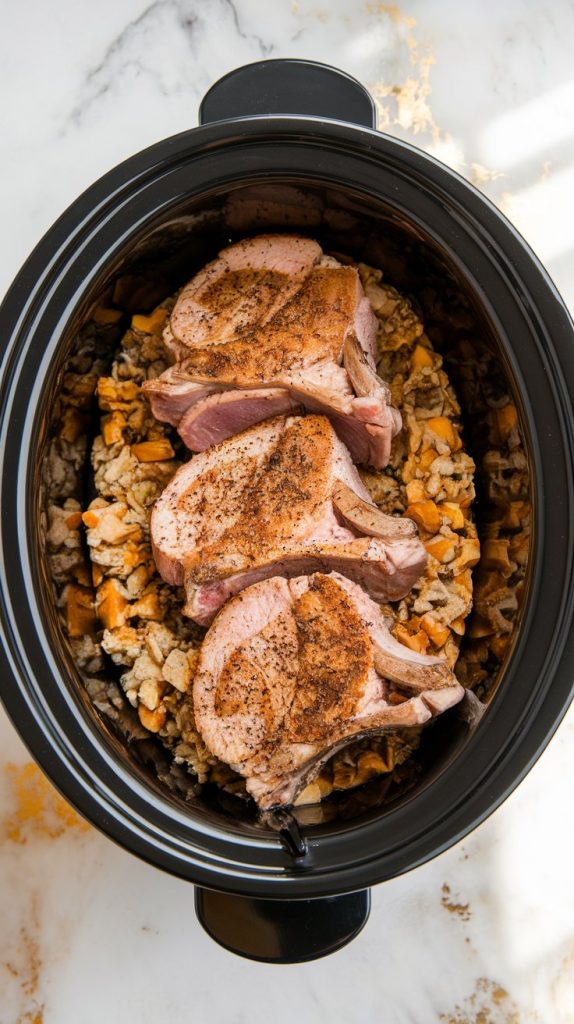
(282, 931)
(293, 87)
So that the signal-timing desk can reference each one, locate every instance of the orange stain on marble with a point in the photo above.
(38, 810)
(406, 104)
(489, 1003)
(411, 97)
(31, 811)
(454, 906)
(25, 965)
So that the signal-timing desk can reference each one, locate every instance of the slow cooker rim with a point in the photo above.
(209, 129)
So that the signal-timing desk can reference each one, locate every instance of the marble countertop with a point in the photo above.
(484, 934)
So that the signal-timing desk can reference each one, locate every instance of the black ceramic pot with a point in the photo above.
(288, 144)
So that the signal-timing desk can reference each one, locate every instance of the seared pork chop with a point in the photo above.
(281, 498)
(292, 670)
(272, 326)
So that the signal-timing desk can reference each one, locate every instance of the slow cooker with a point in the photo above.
(287, 145)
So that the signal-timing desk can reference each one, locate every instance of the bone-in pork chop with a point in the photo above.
(292, 670)
(270, 327)
(281, 498)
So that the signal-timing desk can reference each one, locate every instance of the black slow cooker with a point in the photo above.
(286, 144)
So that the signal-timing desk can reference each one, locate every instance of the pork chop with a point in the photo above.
(283, 497)
(272, 314)
(293, 670)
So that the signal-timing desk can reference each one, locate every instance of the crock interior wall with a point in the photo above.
(168, 252)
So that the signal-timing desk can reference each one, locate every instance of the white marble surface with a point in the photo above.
(87, 933)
